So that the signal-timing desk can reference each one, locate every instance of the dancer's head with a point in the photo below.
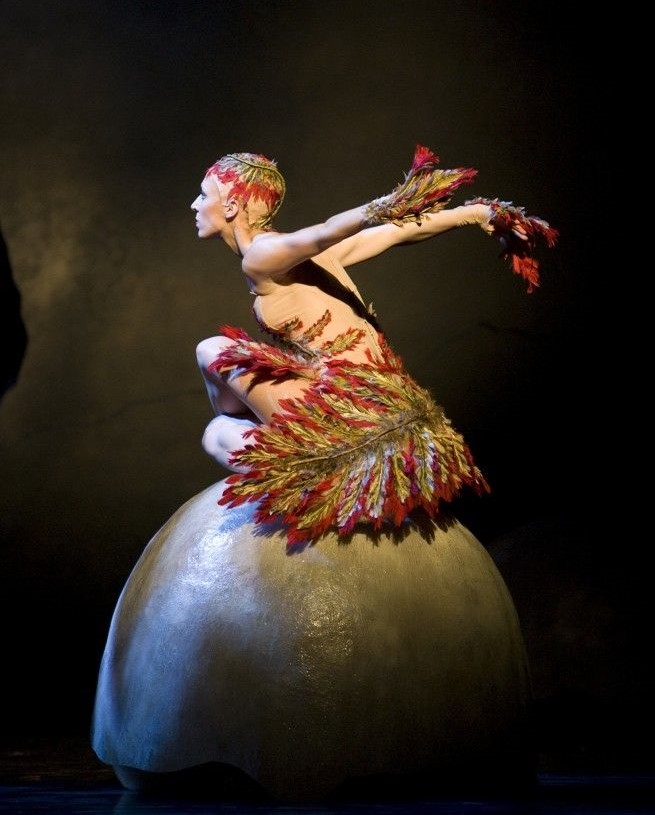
(252, 181)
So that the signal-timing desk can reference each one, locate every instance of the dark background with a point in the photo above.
(111, 113)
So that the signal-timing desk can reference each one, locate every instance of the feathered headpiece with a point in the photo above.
(252, 176)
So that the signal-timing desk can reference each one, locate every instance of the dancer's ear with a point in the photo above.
(230, 208)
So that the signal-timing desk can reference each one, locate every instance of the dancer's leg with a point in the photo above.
(236, 393)
(222, 397)
(239, 403)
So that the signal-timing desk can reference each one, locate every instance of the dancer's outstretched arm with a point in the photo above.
(352, 240)
(271, 255)
(377, 239)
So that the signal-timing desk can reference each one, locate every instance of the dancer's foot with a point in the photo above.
(225, 435)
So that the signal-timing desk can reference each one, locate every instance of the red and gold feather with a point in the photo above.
(425, 188)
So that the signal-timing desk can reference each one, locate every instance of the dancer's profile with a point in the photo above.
(326, 429)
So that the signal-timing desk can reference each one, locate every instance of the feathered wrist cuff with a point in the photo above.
(517, 233)
(425, 189)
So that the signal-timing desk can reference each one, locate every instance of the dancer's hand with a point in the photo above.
(506, 240)
(517, 233)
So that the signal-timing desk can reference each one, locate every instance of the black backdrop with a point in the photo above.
(111, 113)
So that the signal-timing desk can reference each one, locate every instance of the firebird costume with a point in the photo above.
(365, 443)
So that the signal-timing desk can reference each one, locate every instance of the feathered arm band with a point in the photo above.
(517, 233)
(425, 189)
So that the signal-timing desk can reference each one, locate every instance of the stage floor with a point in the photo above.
(66, 778)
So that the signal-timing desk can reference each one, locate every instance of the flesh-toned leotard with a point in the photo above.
(348, 436)
(308, 291)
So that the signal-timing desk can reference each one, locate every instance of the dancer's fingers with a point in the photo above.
(520, 232)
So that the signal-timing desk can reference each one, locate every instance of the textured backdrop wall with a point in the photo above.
(112, 113)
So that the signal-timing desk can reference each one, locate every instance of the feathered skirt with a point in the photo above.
(365, 443)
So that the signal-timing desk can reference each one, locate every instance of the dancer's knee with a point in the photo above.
(207, 350)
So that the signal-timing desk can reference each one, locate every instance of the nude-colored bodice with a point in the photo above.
(310, 289)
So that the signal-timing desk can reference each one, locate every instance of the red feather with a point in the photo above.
(423, 158)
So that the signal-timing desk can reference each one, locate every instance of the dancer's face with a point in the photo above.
(210, 208)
